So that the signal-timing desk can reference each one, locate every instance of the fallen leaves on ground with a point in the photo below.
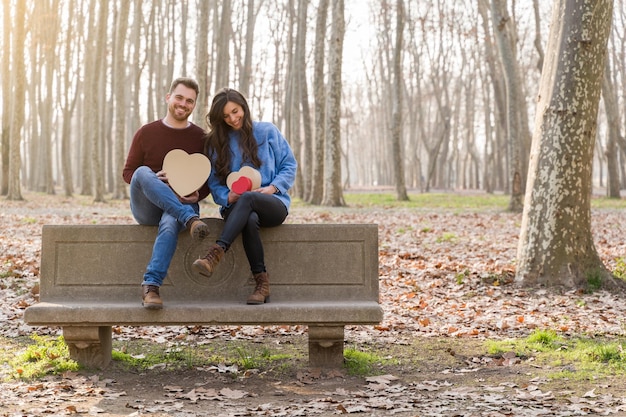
(441, 274)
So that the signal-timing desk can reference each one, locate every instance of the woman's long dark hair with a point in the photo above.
(217, 139)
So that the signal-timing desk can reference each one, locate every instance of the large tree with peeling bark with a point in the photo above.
(556, 246)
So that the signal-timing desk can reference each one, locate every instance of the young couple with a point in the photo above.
(232, 141)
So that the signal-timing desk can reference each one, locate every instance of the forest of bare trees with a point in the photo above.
(408, 94)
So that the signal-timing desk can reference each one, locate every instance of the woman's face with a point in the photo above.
(233, 115)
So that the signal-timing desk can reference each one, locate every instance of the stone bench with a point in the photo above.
(324, 276)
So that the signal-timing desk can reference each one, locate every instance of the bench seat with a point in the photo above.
(322, 276)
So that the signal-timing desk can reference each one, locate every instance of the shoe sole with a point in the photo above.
(257, 303)
(200, 232)
(200, 270)
(148, 306)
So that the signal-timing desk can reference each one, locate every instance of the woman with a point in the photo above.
(235, 141)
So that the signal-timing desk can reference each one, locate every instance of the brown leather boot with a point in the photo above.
(198, 229)
(151, 299)
(205, 266)
(261, 293)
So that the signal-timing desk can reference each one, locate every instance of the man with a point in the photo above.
(152, 201)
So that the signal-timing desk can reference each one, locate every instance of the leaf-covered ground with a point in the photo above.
(445, 284)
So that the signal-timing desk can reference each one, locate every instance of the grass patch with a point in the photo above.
(608, 203)
(450, 201)
(447, 237)
(468, 201)
(359, 363)
(43, 357)
(578, 358)
(236, 357)
(620, 268)
(594, 280)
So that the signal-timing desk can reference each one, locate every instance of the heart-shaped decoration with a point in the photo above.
(250, 173)
(242, 185)
(186, 173)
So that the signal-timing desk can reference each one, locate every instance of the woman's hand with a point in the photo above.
(232, 197)
(270, 189)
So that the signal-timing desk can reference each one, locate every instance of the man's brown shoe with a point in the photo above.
(206, 265)
(198, 230)
(151, 299)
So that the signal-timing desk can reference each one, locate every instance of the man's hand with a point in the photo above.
(162, 176)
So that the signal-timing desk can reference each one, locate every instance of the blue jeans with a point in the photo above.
(152, 203)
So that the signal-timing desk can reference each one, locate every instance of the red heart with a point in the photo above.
(242, 185)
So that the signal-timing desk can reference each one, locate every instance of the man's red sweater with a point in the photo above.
(154, 140)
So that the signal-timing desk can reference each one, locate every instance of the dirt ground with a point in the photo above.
(422, 377)
(444, 290)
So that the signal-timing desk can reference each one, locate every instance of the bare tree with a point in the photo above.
(538, 41)
(609, 94)
(301, 133)
(556, 245)
(97, 102)
(396, 106)
(246, 70)
(333, 195)
(202, 63)
(69, 81)
(223, 40)
(7, 92)
(306, 156)
(505, 32)
(18, 79)
(319, 93)
(290, 112)
(120, 82)
(49, 32)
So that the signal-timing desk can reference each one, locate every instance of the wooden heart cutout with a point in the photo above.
(248, 172)
(186, 173)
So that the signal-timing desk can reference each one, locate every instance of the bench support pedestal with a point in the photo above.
(326, 346)
(89, 346)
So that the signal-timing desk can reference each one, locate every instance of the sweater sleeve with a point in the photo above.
(286, 164)
(135, 157)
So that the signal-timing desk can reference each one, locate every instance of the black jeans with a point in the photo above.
(251, 212)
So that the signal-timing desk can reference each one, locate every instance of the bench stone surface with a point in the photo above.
(324, 276)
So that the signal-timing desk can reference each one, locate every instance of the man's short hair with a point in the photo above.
(187, 82)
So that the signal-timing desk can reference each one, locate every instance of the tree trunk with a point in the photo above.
(538, 41)
(121, 99)
(6, 96)
(609, 93)
(246, 71)
(319, 92)
(504, 31)
(223, 44)
(18, 100)
(291, 111)
(396, 106)
(304, 136)
(202, 64)
(96, 103)
(333, 195)
(50, 32)
(556, 246)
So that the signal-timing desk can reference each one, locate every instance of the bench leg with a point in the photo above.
(326, 346)
(89, 346)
